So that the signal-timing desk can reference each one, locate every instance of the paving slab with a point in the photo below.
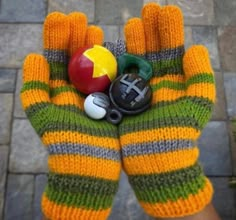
(116, 12)
(6, 105)
(17, 41)
(219, 112)
(227, 47)
(230, 91)
(125, 205)
(207, 36)
(196, 12)
(40, 183)
(18, 110)
(160, 2)
(188, 35)
(23, 11)
(224, 198)
(7, 80)
(3, 173)
(111, 32)
(215, 149)
(225, 12)
(233, 142)
(19, 197)
(85, 6)
(27, 152)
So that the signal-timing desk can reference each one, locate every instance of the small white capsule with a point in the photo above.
(96, 105)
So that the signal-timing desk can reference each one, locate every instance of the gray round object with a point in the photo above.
(130, 94)
(114, 116)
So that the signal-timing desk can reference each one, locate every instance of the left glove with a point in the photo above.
(84, 155)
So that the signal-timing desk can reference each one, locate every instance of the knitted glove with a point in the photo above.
(159, 149)
(84, 159)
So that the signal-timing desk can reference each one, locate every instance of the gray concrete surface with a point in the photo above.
(23, 164)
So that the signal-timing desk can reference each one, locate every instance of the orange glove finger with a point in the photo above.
(200, 82)
(35, 91)
(150, 17)
(135, 37)
(78, 29)
(94, 35)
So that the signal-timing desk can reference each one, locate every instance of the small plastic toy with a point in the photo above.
(127, 61)
(96, 105)
(130, 94)
(114, 116)
(92, 69)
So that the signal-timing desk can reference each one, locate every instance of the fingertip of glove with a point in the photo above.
(171, 16)
(196, 60)
(150, 9)
(78, 16)
(171, 27)
(135, 36)
(197, 52)
(56, 31)
(33, 62)
(56, 15)
(133, 24)
(95, 28)
(94, 35)
(33, 57)
(133, 21)
(197, 49)
(35, 74)
(171, 10)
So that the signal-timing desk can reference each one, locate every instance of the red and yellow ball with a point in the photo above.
(92, 69)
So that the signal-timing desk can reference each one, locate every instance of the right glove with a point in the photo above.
(84, 155)
(159, 149)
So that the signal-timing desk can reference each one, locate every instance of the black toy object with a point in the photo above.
(114, 116)
(130, 94)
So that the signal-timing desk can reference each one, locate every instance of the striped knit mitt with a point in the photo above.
(159, 149)
(84, 158)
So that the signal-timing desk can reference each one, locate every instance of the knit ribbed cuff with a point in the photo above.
(173, 194)
(56, 211)
(78, 197)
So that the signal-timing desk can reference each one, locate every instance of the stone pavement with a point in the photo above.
(23, 160)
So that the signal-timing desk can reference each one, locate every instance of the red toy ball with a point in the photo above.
(92, 69)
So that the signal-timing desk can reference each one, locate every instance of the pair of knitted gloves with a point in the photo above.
(157, 148)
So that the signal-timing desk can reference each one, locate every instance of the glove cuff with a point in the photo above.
(173, 194)
(78, 197)
(56, 211)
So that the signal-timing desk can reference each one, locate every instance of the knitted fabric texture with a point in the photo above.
(84, 155)
(159, 148)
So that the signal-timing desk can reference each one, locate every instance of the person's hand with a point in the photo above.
(84, 155)
(159, 149)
